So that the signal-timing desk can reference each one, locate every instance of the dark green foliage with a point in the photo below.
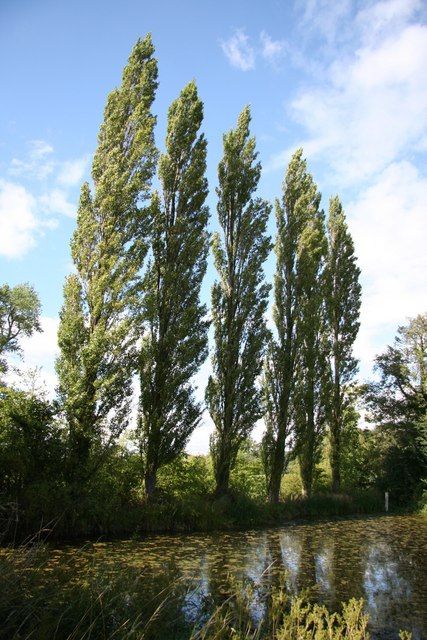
(31, 458)
(352, 470)
(343, 299)
(398, 405)
(247, 477)
(29, 439)
(294, 246)
(311, 374)
(19, 316)
(239, 300)
(174, 343)
(187, 475)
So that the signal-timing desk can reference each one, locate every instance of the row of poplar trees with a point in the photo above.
(132, 306)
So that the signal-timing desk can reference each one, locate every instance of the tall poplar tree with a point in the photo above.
(174, 344)
(298, 207)
(343, 299)
(239, 300)
(312, 380)
(96, 333)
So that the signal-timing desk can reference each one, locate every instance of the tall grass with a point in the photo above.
(42, 599)
(183, 513)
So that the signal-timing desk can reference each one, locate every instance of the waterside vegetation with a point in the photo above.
(52, 595)
(79, 465)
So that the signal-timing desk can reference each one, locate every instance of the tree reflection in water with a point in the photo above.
(382, 559)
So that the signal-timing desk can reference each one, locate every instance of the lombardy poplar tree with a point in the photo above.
(96, 333)
(343, 298)
(239, 300)
(312, 378)
(297, 209)
(174, 344)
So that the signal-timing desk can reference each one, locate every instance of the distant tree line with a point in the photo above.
(132, 310)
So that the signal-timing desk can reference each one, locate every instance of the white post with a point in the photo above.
(386, 500)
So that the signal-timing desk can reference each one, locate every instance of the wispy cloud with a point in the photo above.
(72, 172)
(18, 220)
(42, 189)
(243, 52)
(272, 50)
(239, 51)
(37, 164)
(362, 115)
(329, 19)
(370, 109)
(56, 202)
(385, 18)
(40, 149)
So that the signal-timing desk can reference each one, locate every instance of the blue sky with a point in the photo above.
(346, 80)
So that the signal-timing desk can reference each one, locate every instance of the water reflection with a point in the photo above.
(383, 560)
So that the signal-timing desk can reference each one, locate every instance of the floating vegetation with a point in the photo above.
(174, 586)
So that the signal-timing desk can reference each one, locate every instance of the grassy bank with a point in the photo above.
(238, 511)
(169, 513)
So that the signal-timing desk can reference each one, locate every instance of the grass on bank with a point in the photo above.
(169, 513)
(239, 511)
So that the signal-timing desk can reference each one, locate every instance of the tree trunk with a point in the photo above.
(150, 480)
(222, 475)
(276, 471)
(336, 461)
(278, 465)
(336, 424)
(274, 484)
(306, 468)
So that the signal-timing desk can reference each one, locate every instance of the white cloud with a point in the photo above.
(272, 50)
(389, 225)
(372, 108)
(24, 214)
(18, 222)
(363, 116)
(40, 148)
(72, 172)
(367, 105)
(325, 17)
(37, 164)
(37, 169)
(42, 348)
(38, 353)
(385, 17)
(239, 51)
(56, 202)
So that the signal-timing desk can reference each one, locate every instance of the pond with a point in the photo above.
(380, 559)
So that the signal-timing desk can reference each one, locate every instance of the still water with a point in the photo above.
(380, 559)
